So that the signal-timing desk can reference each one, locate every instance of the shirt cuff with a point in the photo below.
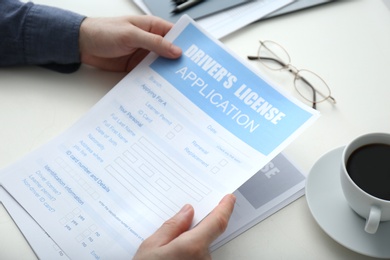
(52, 38)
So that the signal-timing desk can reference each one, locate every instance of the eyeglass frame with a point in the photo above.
(293, 70)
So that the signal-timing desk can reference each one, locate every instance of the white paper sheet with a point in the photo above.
(276, 185)
(171, 132)
(228, 21)
(41, 243)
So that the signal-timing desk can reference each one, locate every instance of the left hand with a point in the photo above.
(120, 43)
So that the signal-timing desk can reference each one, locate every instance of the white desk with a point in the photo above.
(346, 42)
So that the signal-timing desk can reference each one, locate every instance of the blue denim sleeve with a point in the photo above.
(39, 35)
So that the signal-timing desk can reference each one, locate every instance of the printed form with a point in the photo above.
(171, 132)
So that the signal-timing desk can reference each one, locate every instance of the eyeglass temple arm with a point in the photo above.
(313, 90)
(267, 58)
(316, 91)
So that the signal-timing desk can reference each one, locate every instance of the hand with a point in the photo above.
(120, 43)
(173, 240)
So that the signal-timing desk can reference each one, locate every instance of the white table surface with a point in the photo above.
(346, 42)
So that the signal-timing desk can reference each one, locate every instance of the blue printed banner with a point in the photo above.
(230, 93)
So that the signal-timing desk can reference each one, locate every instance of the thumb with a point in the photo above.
(158, 44)
(173, 227)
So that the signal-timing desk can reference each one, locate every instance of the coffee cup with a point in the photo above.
(365, 178)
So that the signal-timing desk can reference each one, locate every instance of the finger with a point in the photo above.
(173, 227)
(152, 24)
(150, 32)
(216, 222)
(156, 43)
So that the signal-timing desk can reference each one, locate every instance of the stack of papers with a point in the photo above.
(223, 23)
(171, 132)
(163, 8)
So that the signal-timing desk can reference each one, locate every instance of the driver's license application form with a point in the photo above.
(171, 132)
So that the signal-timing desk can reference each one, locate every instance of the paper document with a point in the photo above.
(228, 21)
(171, 132)
(163, 8)
(41, 243)
(276, 185)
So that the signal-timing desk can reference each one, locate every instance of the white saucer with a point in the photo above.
(331, 211)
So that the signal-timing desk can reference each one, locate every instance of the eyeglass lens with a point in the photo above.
(308, 84)
(272, 55)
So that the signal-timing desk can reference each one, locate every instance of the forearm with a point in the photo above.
(38, 35)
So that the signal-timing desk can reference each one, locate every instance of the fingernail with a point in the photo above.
(186, 208)
(185, 211)
(175, 50)
(233, 198)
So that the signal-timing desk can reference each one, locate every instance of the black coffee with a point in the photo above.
(369, 168)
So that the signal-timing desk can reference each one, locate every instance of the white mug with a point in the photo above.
(368, 205)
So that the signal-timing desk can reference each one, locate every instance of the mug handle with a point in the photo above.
(373, 220)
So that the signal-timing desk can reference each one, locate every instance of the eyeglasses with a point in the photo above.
(309, 85)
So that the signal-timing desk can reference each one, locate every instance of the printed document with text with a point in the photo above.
(171, 132)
